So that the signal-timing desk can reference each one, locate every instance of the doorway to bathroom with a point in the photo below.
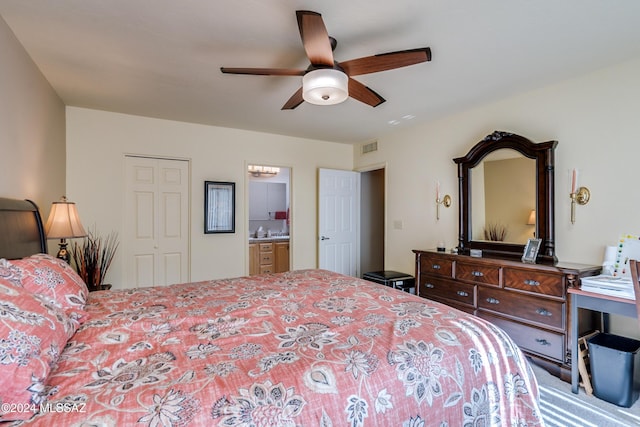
(269, 195)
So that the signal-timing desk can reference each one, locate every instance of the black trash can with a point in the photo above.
(393, 279)
(615, 373)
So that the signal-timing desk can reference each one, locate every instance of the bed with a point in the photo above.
(302, 348)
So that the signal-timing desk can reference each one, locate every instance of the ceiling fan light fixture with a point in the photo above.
(325, 86)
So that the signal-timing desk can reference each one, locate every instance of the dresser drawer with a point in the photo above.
(266, 258)
(436, 265)
(534, 281)
(265, 269)
(537, 341)
(449, 289)
(478, 273)
(529, 308)
(453, 304)
(266, 247)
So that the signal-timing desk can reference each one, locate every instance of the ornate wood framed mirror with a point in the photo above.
(486, 221)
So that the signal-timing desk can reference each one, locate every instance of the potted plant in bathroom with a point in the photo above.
(93, 258)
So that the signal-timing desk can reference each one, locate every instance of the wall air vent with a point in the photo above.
(371, 146)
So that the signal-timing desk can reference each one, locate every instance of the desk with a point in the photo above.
(595, 302)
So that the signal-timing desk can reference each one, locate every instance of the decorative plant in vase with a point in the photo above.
(93, 257)
(495, 232)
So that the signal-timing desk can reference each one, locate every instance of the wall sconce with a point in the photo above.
(263, 171)
(444, 201)
(579, 195)
(64, 223)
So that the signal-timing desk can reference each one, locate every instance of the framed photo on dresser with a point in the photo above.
(531, 251)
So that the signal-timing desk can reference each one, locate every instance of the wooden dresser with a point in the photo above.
(528, 301)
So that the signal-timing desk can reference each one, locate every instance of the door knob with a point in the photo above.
(324, 238)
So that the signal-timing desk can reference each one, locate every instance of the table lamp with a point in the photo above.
(64, 223)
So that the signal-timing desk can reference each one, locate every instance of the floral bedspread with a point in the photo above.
(302, 348)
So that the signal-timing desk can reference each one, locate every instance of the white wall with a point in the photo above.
(97, 142)
(593, 117)
(32, 129)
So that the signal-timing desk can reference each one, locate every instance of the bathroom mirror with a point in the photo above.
(508, 161)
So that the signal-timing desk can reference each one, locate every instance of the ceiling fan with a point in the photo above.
(327, 81)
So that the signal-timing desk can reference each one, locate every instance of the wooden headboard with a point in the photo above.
(21, 229)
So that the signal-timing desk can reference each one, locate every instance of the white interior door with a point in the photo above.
(338, 221)
(156, 221)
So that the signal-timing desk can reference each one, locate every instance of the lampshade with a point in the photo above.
(64, 222)
(325, 86)
(532, 217)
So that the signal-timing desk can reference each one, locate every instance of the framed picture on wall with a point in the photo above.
(531, 251)
(219, 207)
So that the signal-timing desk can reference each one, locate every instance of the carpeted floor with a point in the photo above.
(560, 407)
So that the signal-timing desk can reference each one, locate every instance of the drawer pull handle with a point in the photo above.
(477, 273)
(544, 312)
(542, 341)
(462, 293)
(531, 282)
(493, 301)
(429, 285)
(436, 266)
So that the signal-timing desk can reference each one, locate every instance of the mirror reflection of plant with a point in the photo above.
(93, 257)
(495, 232)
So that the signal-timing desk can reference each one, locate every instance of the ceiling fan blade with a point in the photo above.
(264, 71)
(294, 101)
(386, 61)
(315, 38)
(363, 94)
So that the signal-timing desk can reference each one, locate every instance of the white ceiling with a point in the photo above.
(162, 58)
